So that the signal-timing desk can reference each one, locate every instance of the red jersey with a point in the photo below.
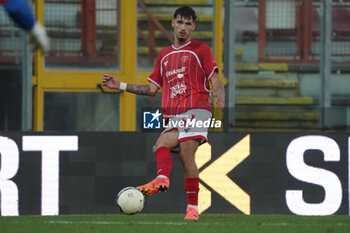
(183, 73)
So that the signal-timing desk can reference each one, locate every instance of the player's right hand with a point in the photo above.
(38, 38)
(110, 81)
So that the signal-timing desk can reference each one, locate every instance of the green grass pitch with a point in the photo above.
(169, 223)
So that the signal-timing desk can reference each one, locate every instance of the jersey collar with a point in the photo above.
(180, 47)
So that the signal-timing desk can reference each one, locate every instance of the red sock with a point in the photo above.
(164, 161)
(192, 189)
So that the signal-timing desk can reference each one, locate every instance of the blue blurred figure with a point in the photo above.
(23, 15)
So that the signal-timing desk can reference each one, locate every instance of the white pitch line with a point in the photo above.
(277, 224)
(118, 223)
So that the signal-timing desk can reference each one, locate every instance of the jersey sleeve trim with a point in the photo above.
(212, 72)
(154, 82)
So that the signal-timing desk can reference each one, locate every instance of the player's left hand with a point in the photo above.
(220, 99)
(219, 90)
(38, 38)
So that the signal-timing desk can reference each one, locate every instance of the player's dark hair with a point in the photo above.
(186, 12)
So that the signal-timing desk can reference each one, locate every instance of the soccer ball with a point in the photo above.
(130, 200)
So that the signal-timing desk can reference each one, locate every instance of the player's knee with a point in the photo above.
(155, 148)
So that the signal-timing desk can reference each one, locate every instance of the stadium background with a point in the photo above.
(279, 53)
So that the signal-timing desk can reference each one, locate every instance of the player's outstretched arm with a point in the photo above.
(150, 89)
(219, 90)
(112, 82)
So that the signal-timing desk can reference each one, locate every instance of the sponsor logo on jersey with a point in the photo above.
(184, 59)
(175, 71)
(179, 88)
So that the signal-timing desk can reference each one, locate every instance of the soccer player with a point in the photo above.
(183, 71)
(22, 14)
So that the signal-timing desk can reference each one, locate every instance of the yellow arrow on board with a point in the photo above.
(202, 156)
(215, 175)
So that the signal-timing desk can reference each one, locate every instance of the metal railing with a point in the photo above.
(153, 24)
(298, 40)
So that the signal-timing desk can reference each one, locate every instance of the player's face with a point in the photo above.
(183, 28)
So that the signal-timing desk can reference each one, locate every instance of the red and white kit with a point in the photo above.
(187, 130)
(183, 73)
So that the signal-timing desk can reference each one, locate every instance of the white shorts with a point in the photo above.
(195, 124)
